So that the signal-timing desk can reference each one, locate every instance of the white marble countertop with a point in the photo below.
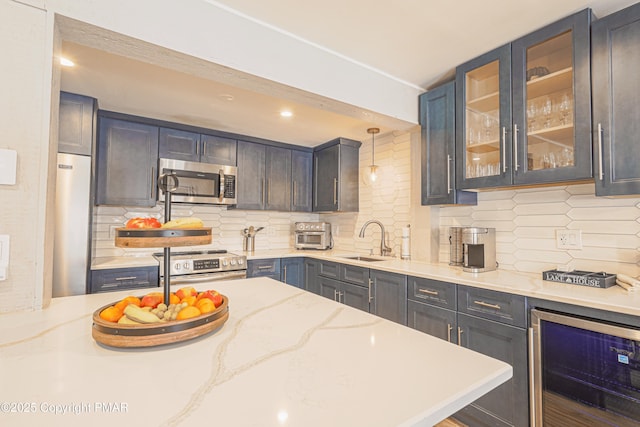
(285, 357)
(613, 299)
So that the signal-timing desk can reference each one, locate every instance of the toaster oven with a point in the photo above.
(313, 235)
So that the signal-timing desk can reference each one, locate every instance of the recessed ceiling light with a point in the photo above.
(66, 62)
(286, 113)
(226, 97)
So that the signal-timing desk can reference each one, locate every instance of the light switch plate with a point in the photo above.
(8, 162)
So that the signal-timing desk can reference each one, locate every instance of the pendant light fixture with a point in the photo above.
(373, 168)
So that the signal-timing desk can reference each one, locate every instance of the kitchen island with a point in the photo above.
(285, 357)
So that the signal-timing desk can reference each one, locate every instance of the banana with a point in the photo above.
(124, 320)
(135, 313)
(191, 222)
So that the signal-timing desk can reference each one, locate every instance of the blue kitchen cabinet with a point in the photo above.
(301, 180)
(127, 162)
(616, 103)
(494, 324)
(438, 148)
(292, 271)
(193, 146)
(118, 279)
(336, 176)
(311, 269)
(77, 118)
(388, 295)
(264, 268)
(431, 308)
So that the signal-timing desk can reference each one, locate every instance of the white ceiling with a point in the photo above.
(418, 42)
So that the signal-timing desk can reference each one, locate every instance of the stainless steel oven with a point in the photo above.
(583, 372)
(203, 266)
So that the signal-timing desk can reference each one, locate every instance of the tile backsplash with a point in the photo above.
(526, 221)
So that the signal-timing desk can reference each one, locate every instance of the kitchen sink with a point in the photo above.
(363, 258)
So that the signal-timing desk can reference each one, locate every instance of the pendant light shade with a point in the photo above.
(373, 168)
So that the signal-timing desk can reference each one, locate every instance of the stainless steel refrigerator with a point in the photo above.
(72, 247)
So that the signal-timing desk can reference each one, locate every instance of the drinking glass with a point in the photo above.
(547, 108)
(565, 106)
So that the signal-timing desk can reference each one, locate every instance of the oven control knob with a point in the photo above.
(186, 266)
(176, 266)
(233, 261)
(225, 263)
(240, 261)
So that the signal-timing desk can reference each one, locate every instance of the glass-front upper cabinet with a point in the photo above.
(483, 120)
(523, 111)
(552, 102)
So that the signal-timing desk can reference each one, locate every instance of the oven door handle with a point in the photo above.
(205, 277)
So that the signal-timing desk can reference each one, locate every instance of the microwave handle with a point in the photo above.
(221, 196)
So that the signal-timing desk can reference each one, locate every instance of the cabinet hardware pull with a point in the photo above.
(504, 149)
(532, 388)
(126, 278)
(448, 174)
(264, 267)
(197, 149)
(153, 175)
(284, 273)
(222, 185)
(268, 191)
(428, 291)
(335, 295)
(335, 191)
(262, 189)
(600, 161)
(294, 193)
(515, 146)
(460, 331)
(370, 286)
(204, 149)
(449, 328)
(486, 304)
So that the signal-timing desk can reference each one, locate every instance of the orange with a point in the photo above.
(205, 305)
(132, 300)
(173, 298)
(188, 312)
(126, 301)
(190, 300)
(111, 314)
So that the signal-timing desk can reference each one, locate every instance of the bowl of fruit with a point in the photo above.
(148, 320)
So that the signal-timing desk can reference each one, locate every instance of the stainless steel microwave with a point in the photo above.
(200, 182)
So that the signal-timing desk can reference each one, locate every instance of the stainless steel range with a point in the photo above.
(203, 266)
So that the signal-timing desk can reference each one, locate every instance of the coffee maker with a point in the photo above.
(479, 249)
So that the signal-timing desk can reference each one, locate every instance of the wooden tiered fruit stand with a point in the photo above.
(165, 332)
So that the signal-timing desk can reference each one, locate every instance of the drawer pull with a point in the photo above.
(265, 267)
(126, 278)
(486, 304)
(110, 285)
(449, 329)
(460, 331)
(428, 291)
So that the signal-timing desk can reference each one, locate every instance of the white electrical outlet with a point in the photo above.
(569, 239)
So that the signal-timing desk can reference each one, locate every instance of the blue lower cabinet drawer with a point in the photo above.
(264, 268)
(493, 305)
(118, 279)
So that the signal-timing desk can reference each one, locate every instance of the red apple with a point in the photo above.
(151, 300)
(212, 295)
(186, 292)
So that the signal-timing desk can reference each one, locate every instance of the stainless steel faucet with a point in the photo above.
(384, 249)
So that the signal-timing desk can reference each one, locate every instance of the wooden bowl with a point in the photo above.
(153, 334)
(162, 237)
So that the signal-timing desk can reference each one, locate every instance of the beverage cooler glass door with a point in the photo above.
(585, 372)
